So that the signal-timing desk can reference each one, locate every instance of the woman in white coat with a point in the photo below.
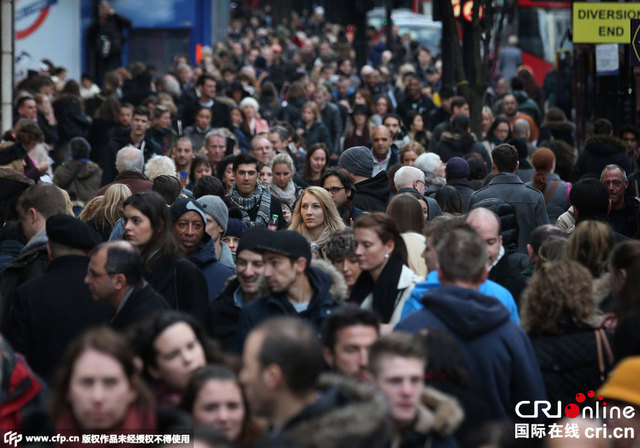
(386, 281)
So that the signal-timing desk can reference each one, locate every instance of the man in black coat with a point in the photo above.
(115, 277)
(35, 205)
(457, 173)
(205, 92)
(506, 265)
(246, 286)
(602, 149)
(137, 138)
(372, 192)
(52, 310)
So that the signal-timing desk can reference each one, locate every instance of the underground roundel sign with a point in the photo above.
(30, 15)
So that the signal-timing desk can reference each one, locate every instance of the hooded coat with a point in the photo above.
(372, 194)
(439, 415)
(329, 290)
(214, 272)
(341, 401)
(83, 178)
(600, 151)
(497, 351)
(458, 145)
(20, 390)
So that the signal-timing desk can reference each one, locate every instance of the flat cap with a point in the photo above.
(71, 232)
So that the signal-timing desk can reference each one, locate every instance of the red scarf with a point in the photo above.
(137, 421)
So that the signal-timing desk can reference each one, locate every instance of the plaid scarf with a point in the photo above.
(260, 198)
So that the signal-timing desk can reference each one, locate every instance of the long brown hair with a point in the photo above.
(386, 229)
(251, 430)
(108, 342)
(543, 161)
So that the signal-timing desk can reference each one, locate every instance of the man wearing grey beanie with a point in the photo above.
(371, 192)
(217, 215)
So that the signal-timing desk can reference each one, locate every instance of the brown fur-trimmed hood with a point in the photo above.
(339, 287)
(347, 414)
(605, 144)
(441, 413)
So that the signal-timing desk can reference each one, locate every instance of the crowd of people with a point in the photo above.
(272, 247)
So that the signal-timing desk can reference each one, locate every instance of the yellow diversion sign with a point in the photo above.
(603, 23)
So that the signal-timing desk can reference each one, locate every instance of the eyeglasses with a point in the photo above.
(334, 190)
(92, 274)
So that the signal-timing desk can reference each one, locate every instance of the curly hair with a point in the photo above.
(590, 245)
(559, 293)
(341, 245)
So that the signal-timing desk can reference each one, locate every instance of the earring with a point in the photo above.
(386, 255)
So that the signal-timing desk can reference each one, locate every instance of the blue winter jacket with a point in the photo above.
(497, 352)
(490, 288)
(214, 272)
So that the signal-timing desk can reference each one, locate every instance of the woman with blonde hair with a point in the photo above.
(410, 153)
(559, 313)
(316, 218)
(282, 186)
(555, 190)
(590, 245)
(111, 210)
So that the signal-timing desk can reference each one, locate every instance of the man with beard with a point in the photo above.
(182, 154)
(347, 335)
(247, 285)
(189, 222)
(295, 287)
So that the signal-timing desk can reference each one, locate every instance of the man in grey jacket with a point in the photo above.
(528, 202)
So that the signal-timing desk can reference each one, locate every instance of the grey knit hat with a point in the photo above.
(215, 206)
(357, 160)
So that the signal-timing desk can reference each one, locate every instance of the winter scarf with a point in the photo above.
(260, 198)
(288, 195)
(385, 290)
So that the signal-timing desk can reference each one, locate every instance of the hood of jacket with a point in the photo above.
(377, 186)
(89, 170)
(37, 242)
(459, 143)
(439, 412)
(465, 311)
(327, 278)
(206, 253)
(18, 387)
(521, 96)
(605, 145)
(347, 413)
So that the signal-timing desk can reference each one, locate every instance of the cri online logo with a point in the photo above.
(529, 409)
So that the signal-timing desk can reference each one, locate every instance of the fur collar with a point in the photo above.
(8, 173)
(440, 413)
(608, 139)
(339, 287)
(355, 420)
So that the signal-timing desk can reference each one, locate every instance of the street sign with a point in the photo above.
(635, 43)
(603, 23)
